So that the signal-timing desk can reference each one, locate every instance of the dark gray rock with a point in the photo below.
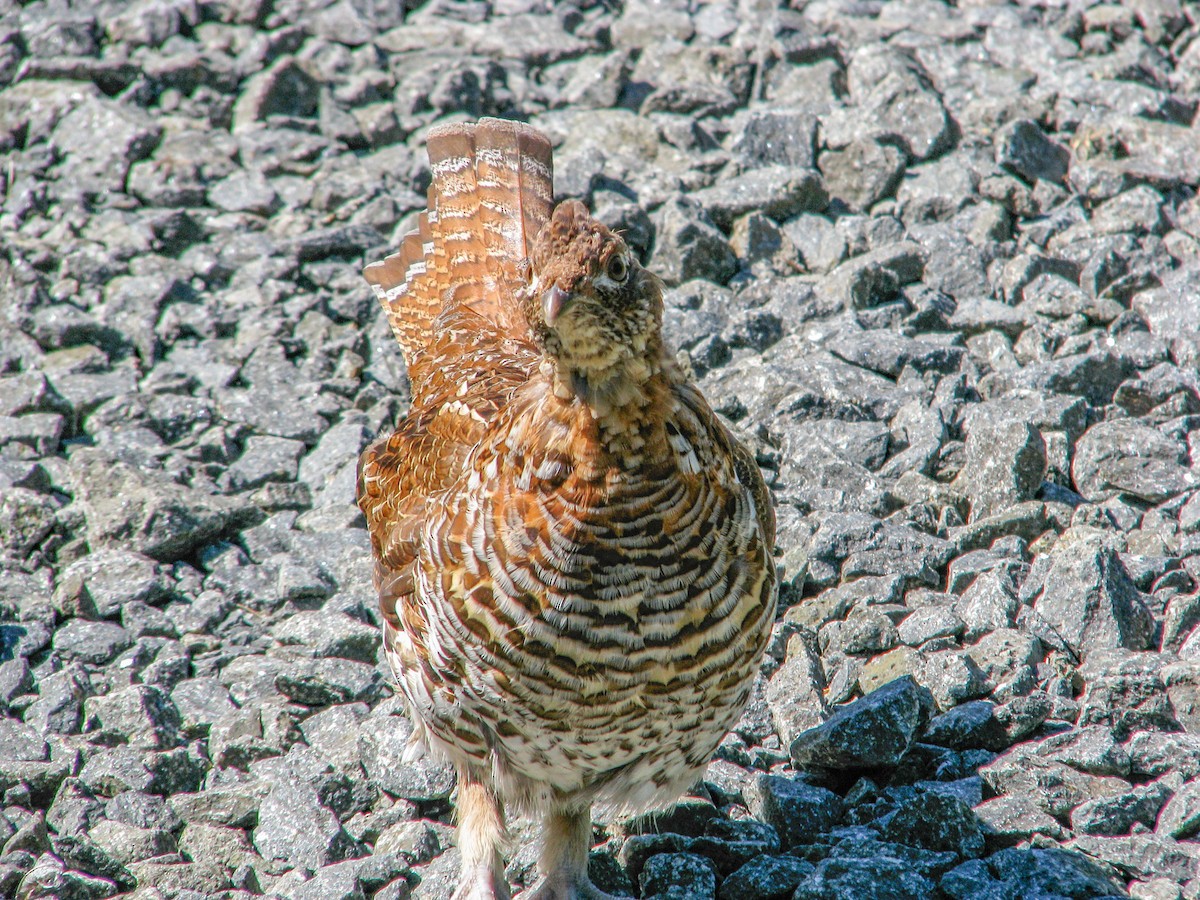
(675, 876)
(869, 733)
(936, 822)
(318, 682)
(1023, 148)
(1050, 873)
(878, 878)
(765, 878)
(798, 812)
(775, 137)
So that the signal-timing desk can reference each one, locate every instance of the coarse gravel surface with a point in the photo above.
(939, 264)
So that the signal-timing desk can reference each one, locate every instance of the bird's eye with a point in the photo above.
(618, 269)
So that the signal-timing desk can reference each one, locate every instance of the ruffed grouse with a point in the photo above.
(573, 554)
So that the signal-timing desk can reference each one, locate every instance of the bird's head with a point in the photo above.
(591, 305)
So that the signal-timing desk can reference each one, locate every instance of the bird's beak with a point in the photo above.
(554, 301)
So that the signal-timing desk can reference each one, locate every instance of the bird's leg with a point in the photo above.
(563, 864)
(481, 838)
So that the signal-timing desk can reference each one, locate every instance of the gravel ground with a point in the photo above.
(939, 263)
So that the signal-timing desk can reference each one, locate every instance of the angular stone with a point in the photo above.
(850, 879)
(669, 875)
(149, 511)
(1005, 465)
(1133, 458)
(1023, 148)
(799, 812)
(1086, 597)
(689, 245)
(779, 192)
(141, 714)
(862, 173)
(936, 822)
(294, 826)
(869, 733)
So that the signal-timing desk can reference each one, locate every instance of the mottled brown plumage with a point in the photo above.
(573, 554)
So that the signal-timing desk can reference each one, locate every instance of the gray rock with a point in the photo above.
(284, 89)
(775, 137)
(382, 745)
(1004, 465)
(26, 518)
(318, 682)
(1144, 856)
(91, 642)
(325, 634)
(111, 771)
(765, 878)
(990, 603)
(1180, 817)
(951, 676)
(115, 578)
(1117, 815)
(879, 878)
(264, 459)
(1054, 787)
(869, 733)
(1013, 872)
(674, 876)
(141, 714)
(936, 822)
(891, 90)
(688, 245)
(1083, 593)
(294, 826)
(862, 173)
(1127, 692)
(777, 191)
(794, 693)
(149, 511)
(798, 812)
(872, 278)
(329, 469)
(1132, 458)
(1023, 148)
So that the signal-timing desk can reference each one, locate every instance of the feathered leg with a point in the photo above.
(563, 864)
(482, 835)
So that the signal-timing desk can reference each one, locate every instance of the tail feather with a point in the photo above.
(491, 193)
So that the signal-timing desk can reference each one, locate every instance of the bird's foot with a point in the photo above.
(481, 883)
(560, 888)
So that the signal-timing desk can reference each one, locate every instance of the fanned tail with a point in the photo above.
(491, 193)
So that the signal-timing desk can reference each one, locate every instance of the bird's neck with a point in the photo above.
(613, 402)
